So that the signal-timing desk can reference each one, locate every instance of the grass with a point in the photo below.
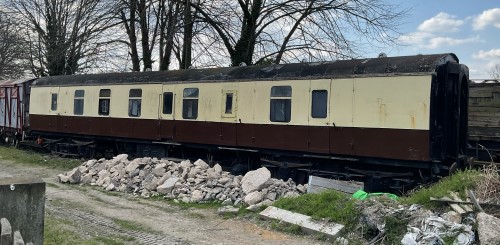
(455, 183)
(288, 228)
(129, 225)
(35, 158)
(330, 205)
(56, 232)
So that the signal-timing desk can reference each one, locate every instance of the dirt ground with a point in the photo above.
(96, 213)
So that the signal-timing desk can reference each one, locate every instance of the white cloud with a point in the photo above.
(432, 41)
(442, 22)
(488, 17)
(485, 55)
(437, 42)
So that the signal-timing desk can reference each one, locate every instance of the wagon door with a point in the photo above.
(167, 112)
(318, 116)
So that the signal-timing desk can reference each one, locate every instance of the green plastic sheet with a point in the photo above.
(362, 195)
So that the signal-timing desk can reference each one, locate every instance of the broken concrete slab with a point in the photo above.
(305, 222)
(488, 228)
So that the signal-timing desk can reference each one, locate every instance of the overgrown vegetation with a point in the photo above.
(395, 228)
(458, 183)
(35, 158)
(488, 186)
(329, 205)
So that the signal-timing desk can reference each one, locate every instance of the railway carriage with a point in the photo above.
(391, 118)
(14, 108)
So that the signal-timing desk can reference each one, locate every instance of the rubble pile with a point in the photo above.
(185, 181)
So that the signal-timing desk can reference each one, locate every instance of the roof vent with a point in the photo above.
(382, 55)
(243, 64)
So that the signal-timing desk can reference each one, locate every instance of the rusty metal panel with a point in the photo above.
(381, 143)
(319, 140)
(197, 132)
(283, 137)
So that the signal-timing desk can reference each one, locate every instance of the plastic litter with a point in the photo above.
(434, 229)
(362, 195)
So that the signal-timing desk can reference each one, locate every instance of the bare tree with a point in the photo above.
(495, 72)
(259, 30)
(13, 55)
(65, 32)
(169, 19)
(149, 23)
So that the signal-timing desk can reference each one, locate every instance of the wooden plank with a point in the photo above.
(474, 201)
(453, 205)
(317, 184)
(447, 200)
(467, 208)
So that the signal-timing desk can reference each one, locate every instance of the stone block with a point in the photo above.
(22, 202)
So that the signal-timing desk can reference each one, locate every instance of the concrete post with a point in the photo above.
(22, 202)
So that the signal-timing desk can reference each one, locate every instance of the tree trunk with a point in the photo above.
(188, 37)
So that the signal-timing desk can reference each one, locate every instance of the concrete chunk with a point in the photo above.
(6, 232)
(305, 222)
(256, 180)
(488, 228)
(18, 239)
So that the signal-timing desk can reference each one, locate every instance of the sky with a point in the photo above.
(468, 28)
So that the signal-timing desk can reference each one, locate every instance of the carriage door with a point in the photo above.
(55, 109)
(167, 112)
(228, 117)
(319, 113)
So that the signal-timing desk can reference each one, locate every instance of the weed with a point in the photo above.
(395, 228)
(455, 183)
(449, 240)
(330, 205)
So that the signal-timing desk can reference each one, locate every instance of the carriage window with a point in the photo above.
(281, 104)
(79, 99)
(190, 103)
(104, 101)
(229, 103)
(319, 103)
(168, 99)
(134, 102)
(53, 104)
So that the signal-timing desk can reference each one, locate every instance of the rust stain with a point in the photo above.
(413, 123)
(424, 109)
(382, 112)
